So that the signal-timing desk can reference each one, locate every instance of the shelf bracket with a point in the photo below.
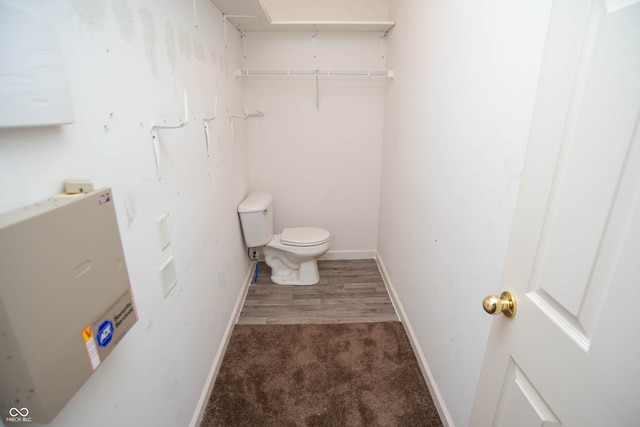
(206, 120)
(317, 94)
(314, 43)
(245, 116)
(383, 43)
(225, 18)
(243, 36)
(157, 126)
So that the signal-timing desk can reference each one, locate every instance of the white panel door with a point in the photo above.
(571, 354)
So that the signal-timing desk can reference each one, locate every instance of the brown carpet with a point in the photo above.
(356, 374)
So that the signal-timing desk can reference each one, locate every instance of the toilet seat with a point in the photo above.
(304, 236)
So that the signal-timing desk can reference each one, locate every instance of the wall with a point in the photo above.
(321, 164)
(128, 62)
(456, 127)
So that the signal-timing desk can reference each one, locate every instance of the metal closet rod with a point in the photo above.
(312, 72)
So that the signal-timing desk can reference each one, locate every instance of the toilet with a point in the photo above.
(291, 254)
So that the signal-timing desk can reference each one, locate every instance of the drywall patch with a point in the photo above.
(125, 20)
(130, 209)
(149, 33)
(91, 14)
(171, 45)
(198, 50)
(184, 42)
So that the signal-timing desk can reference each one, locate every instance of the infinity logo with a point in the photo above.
(14, 412)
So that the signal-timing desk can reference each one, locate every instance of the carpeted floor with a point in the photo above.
(356, 374)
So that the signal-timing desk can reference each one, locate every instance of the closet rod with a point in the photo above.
(312, 72)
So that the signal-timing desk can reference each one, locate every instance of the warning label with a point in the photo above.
(109, 328)
(92, 349)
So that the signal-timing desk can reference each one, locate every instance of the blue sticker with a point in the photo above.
(105, 333)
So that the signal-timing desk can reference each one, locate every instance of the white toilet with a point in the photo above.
(291, 254)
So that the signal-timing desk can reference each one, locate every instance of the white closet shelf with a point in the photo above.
(374, 26)
(312, 72)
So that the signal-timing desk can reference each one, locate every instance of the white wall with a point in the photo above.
(321, 164)
(457, 117)
(128, 62)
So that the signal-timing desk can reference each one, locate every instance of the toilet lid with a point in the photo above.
(304, 236)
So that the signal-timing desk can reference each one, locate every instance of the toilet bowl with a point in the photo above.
(292, 253)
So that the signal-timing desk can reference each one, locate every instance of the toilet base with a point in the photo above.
(289, 269)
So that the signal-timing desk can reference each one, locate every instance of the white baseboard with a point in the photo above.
(217, 361)
(445, 416)
(355, 254)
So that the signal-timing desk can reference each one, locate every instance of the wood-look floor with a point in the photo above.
(349, 291)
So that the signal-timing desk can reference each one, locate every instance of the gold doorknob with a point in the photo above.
(505, 304)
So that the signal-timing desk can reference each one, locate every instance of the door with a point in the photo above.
(571, 354)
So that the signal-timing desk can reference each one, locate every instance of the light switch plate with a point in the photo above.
(163, 231)
(168, 276)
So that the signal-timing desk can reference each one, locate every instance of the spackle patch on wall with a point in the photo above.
(149, 33)
(184, 42)
(125, 20)
(170, 41)
(198, 50)
(90, 13)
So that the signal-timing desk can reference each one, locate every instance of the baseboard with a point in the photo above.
(445, 416)
(354, 254)
(217, 361)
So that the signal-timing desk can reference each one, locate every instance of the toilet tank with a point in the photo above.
(256, 217)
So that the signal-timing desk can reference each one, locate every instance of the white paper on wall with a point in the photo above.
(34, 88)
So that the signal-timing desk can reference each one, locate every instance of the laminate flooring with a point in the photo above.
(349, 291)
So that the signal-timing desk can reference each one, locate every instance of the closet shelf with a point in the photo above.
(312, 72)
